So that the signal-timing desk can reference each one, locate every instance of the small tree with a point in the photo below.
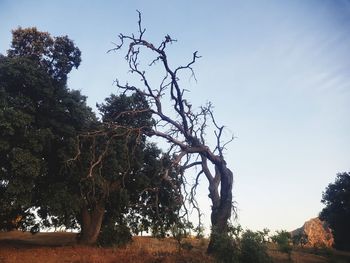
(284, 243)
(337, 211)
(184, 128)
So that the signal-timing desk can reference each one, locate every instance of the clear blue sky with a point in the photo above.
(278, 73)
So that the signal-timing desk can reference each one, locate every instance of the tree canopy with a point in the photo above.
(57, 55)
(40, 119)
(58, 158)
(121, 174)
(337, 211)
(100, 175)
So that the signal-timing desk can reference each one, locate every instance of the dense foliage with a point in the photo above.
(337, 211)
(40, 118)
(57, 158)
(242, 246)
(56, 55)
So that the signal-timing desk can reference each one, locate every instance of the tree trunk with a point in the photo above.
(91, 221)
(222, 204)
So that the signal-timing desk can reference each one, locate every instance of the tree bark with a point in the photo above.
(91, 221)
(222, 204)
(185, 131)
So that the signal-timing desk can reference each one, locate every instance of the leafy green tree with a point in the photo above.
(57, 55)
(40, 118)
(121, 177)
(55, 191)
(57, 157)
(21, 141)
(156, 198)
(39, 123)
(337, 211)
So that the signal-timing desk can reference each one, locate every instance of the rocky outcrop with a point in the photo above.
(314, 233)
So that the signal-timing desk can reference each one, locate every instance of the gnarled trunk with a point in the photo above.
(91, 221)
(184, 128)
(222, 203)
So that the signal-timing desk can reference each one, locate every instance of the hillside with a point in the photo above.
(61, 247)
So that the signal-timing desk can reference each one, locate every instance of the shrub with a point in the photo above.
(225, 248)
(283, 241)
(179, 232)
(248, 247)
(253, 247)
(114, 235)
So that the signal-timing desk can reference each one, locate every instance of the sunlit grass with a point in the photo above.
(43, 247)
(57, 247)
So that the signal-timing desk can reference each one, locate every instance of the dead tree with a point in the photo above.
(184, 128)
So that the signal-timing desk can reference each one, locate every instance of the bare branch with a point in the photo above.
(184, 129)
(190, 165)
(141, 31)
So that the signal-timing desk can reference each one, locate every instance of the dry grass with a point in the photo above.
(61, 247)
(47, 247)
(309, 255)
(297, 257)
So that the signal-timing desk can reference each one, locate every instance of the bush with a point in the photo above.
(114, 235)
(248, 247)
(225, 248)
(253, 247)
(283, 241)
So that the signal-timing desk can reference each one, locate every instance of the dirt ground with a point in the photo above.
(61, 247)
